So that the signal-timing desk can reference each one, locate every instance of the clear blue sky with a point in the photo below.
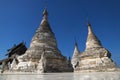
(19, 20)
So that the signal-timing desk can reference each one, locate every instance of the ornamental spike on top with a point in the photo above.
(76, 50)
(92, 40)
(45, 14)
(89, 28)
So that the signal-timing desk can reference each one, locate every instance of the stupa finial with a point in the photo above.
(45, 13)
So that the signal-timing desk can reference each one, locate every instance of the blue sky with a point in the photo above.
(19, 20)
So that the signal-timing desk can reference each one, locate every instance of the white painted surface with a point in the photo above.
(63, 76)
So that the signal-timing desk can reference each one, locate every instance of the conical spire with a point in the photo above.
(92, 40)
(44, 36)
(75, 57)
(45, 32)
(44, 25)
